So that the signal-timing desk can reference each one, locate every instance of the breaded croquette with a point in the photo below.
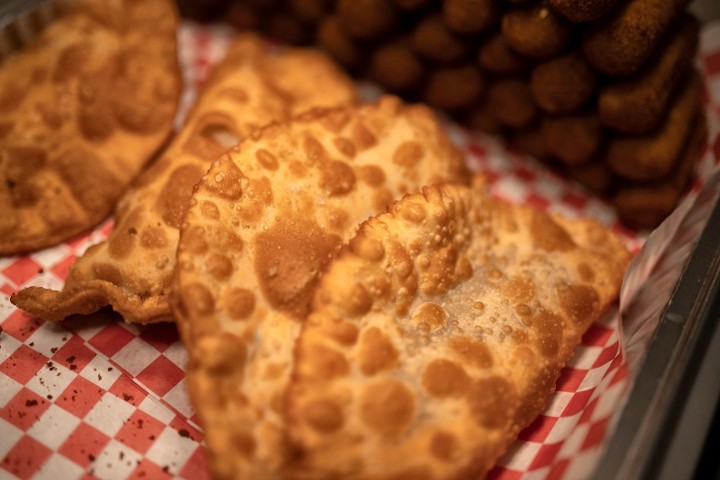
(563, 84)
(651, 157)
(638, 105)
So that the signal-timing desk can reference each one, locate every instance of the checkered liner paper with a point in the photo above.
(95, 397)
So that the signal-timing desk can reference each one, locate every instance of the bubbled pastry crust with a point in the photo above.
(437, 334)
(82, 110)
(262, 225)
(132, 271)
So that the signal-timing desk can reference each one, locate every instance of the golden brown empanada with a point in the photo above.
(263, 223)
(438, 334)
(82, 110)
(132, 270)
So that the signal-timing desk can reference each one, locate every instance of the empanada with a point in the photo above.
(438, 334)
(132, 270)
(82, 110)
(262, 225)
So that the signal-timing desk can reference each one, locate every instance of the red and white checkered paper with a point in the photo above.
(94, 397)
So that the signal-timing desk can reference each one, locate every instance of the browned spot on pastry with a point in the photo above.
(326, 363)
(548, 235)
(338, 178)
(518, 289)
(345, 146)
(413, 212)
(336, 120)
(258, 195)
(224, 182)
(173, 200)
(124, 239)
(197, 299)
(95, 117)
(209, 210)
(463, 269)
(492, 401)
(323, 415)
(71, 61)
(387, 406)
(378, 284)
(194, 240)
(72, 166)
(219, 266)
(222, 354)
(587, 274)
(549, 331)
(244, 443)
(410, 473)
(579, 302)
(314, 150)
(472, 351)
(429, 316)
(445, 446)
(21, 164)
(12, 95)
(345, 333)
(266, 159)
(286, 278)
(297, 168)
(400, 261)
(371, 175)
(445, 378)
(439, 271)
(107, 272)
(357, 300)
(153, 237)
(239, 303)
(51, 115)
(367, 248)
(5, 129)
(522, 309)
(362, 138)
(408, 154)
(377, 352)
(273, 371)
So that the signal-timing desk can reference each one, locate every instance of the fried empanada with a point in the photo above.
(82, 110)
(132, 270)
(438, 333)
(262, 225)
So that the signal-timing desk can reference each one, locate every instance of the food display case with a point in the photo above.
(95, 397)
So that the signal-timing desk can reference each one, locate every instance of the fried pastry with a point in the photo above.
(438, 334)
(132, 270)
(262, 225)
(82, 110)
